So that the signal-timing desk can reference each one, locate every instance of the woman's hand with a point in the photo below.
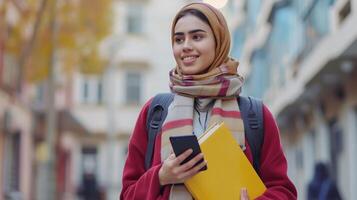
(244, 194)
(171, 172)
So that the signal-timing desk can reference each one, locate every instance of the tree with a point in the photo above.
(78, 34)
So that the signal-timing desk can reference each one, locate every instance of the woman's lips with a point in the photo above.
(189, 60)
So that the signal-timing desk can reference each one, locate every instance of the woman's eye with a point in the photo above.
(197, 37)
(178, 40)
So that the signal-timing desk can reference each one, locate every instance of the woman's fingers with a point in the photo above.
(193, 170)
(191, 163)
(182, 157)
(244, 194)
(173, 172)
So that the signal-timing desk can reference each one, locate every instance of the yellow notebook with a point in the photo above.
(228, 171)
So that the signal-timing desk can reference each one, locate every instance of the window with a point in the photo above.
(133, 87)
(253, 7)
(100, 92)
(259, 75)
(239, 37)
(135, 19)
(92, 90)
(10, 72)
(12, 163)
(89, 160)
(316, 22)
(85, 91)
(336, 144)
(345, 11)
(40, 94)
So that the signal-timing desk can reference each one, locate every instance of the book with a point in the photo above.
(228, 169)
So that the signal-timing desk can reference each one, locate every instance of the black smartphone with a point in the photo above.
(181, 143)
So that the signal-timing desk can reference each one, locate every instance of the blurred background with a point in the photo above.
(75, 73)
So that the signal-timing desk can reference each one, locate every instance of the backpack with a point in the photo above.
(251, 112)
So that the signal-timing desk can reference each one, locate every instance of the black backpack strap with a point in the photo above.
(156, 115)
(252, 115)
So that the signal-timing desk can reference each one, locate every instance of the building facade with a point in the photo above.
(300, 57)
(16, 149)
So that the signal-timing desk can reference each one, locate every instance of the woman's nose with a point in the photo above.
(187, 46)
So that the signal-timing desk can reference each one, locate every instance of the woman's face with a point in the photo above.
(194, 45)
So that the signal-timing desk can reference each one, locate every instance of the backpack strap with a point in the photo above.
(155, 117)
(252, 115)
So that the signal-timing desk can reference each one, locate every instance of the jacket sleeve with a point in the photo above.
(273, 164)
(137, 182)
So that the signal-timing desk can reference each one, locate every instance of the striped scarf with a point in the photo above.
(222, 87)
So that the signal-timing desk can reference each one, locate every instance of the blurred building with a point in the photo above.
(102, 109)
(300, 57)
(16, 149)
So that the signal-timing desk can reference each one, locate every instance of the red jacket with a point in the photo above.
(141, 184)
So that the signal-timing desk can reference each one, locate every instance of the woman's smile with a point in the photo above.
(189, 60)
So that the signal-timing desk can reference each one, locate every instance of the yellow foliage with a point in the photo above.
(80, 27)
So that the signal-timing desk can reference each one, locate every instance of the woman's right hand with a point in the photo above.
(171, 172)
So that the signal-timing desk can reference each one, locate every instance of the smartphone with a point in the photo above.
(181, 143)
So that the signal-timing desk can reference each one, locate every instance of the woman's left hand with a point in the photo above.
(244, 194)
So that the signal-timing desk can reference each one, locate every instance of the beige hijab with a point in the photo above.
(220, 31)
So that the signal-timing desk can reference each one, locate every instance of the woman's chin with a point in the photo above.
(188, 71)
(192, 71)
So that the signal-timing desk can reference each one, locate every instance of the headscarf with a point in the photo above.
(220, 31)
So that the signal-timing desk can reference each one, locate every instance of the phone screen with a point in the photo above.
(181, 143)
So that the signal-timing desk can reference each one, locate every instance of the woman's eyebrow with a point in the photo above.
(190, 32)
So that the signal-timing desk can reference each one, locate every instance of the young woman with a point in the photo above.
(206, 85)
